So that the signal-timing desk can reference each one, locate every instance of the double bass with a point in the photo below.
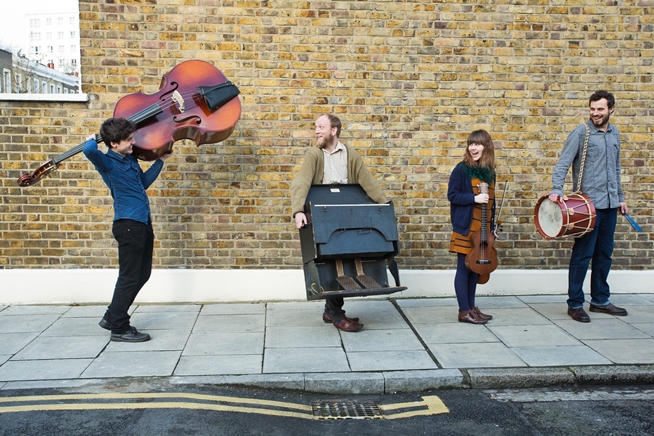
(195, 101)
(482, 259)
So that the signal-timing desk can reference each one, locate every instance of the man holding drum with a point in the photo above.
(601, 182)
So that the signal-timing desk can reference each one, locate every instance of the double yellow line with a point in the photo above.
(430, 405)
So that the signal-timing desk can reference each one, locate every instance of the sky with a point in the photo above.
(14, 24)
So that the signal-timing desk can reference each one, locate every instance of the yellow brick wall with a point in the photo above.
(409, 79)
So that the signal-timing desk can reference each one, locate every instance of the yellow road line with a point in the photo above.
(430, 405)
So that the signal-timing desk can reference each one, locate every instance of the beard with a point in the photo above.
(603, 121)
(324, 141)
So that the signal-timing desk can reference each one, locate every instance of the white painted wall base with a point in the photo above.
(88, 286)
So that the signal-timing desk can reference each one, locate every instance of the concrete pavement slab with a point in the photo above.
(234, 309)
(62, 347)
(302, 337)
(66, 326)
(168, 308)
(544, 299)
(551, 311)
(26, 323)
(4, 358)
(12, 343)
(390, 360)
(93, 311)
(637, 314)
(234, 364)
(475, 355)
(286, 360)
(647, 328)
(508, 302)
(632, 299)
(532, 335)
(426, 302)
(162, 340)
(229, 323)
(309, 317)
(164, 320)
(133, 364)
(43, 369)
(451, 333)
(608, 328)
(381, 340)
(35, 310)
(216, 344)
(625, 351)
(517, 316)
(560, 355)
(431, 314)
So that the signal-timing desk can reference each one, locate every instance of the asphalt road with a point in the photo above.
(203, 410)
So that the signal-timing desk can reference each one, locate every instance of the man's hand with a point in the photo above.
(556, 197)
(300, 220)
(623, 208)
(166, 155)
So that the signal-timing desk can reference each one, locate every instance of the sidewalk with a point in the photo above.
(406, 345)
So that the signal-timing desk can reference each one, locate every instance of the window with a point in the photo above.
(48, 35)
(52, 89)
(71, 20)
(73, 48)
(35, 50)
(35, 22)
(58, 89)
(50, 49)
(44, 87)
(60, 21)
(61, 35)
(48, 21)
(72, 34)
(36, 86)
(19, 82)
(61, 49)
(35, 36)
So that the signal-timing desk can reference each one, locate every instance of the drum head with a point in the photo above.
(550, 217)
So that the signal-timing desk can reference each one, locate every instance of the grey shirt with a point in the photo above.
(601, 179)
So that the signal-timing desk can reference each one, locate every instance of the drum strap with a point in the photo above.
(583, 159)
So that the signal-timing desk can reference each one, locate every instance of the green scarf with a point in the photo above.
(485, 174)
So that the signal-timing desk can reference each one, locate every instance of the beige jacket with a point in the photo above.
(312, 171)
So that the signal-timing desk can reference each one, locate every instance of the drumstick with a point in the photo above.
(630, 220)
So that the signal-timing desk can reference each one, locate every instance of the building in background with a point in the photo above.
(21, 75)
(54, 40)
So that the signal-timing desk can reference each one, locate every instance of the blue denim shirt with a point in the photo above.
(601, 180)
(126, 181)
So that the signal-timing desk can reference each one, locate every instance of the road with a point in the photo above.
(141, 409)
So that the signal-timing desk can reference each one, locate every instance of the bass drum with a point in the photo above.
(573, 217)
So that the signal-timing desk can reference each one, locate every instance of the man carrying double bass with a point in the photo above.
(601, 182)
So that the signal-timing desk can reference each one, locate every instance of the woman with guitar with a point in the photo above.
(471, 192)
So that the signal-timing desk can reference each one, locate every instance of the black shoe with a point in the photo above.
(610, 309)
(105, 324)
(579, 314)
(132, 335)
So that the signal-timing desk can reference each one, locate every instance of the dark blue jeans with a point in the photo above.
(598, 247)
(135, 246)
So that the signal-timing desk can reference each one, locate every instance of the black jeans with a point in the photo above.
(135, 246)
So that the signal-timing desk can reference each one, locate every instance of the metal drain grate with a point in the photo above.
(345, 410)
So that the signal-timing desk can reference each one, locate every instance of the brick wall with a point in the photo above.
(409, 79)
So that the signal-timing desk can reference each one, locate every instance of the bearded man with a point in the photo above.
(600, 182)
(332, 162)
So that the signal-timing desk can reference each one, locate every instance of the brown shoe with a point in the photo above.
(348, 325)
(610, 309)
(328, 320)
(579, 314)
(471, 317)
(481, 315)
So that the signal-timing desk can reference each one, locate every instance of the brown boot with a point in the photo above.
(481, 315)
(471, 317)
